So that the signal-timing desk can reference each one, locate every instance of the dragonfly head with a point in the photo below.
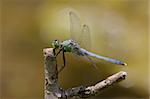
(55, 44)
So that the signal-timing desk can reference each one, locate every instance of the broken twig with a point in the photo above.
(54, 91)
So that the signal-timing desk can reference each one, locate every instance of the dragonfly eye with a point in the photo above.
(55, 40)
(56, 44)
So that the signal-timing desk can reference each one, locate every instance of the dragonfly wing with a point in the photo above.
(77, 57)
(75, 27)
(81, 34)
(91, 61)
(86, 37)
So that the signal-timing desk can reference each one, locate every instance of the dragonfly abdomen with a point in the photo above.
(102, 57)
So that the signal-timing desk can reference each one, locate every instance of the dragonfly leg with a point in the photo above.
(59, 51)
(54, 51)
(64, 62)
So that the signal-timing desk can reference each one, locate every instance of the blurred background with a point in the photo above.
(119, 29)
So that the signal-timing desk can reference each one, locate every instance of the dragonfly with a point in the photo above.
(80, 33)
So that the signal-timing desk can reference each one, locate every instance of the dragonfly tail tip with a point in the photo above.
(125, 64)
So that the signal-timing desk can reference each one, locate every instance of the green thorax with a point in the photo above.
(68, 45)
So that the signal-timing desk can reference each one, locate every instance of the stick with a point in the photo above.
(51, 74)
(54, 91)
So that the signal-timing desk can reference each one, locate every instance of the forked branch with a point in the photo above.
(54, 91)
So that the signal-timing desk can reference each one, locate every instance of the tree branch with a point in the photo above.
(54, 91)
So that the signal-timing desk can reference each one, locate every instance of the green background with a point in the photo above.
(119, 29)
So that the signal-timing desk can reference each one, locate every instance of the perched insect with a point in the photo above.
(79, 33)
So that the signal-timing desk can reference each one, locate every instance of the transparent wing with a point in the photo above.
(78, 33)
(85, 57)
(86, 38)
(91, 61)
(75, 27)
